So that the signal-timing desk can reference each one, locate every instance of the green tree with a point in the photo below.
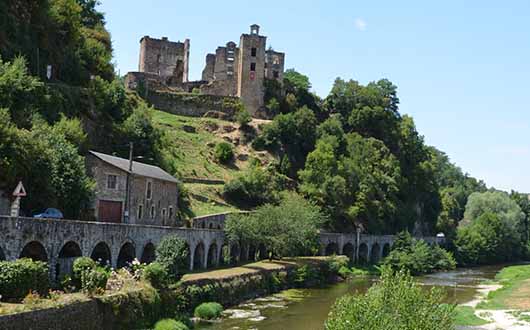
(394, 303)
(298, 219)
(173, 253)
(357, 188)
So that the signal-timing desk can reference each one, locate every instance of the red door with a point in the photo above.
(109, 211)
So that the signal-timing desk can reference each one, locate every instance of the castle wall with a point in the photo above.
(274, 65)
(193, 105)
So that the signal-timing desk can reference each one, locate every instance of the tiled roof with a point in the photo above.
(140, 169)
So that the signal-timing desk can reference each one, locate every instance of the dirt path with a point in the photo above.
(503, 319)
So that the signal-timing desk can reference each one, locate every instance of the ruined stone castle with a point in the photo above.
(234, 70)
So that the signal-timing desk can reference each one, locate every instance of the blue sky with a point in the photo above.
(462, 67)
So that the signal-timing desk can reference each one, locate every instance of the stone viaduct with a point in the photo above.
(59, 242)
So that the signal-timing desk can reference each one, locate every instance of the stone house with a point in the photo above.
(153, 193)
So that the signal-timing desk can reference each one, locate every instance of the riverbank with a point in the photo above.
(501, 304)
(140, 305)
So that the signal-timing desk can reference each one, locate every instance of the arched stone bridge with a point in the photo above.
(59, 242)
(360, 247)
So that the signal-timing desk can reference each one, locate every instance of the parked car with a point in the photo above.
(50, 213)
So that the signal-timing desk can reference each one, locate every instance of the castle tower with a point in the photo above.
(251, 69)
(167, 59)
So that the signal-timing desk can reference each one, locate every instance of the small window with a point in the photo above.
(112, 181)
(231, 59)
(266, 65)
(170, 212)
(163, 213)
(152, 212)
(252, 66)
(275, 74)
(140, 211)
(149, 190)
(253, 51)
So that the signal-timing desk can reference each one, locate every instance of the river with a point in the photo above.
(307, 309)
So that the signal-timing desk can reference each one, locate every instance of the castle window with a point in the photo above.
(266, 65)
(171, 212)
(152, 212)
(231, 59)
(163, 214)
(112, 181)
(252, 66)
(253, 51)
(275, 74)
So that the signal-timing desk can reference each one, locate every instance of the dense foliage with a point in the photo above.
(492, 230)
(22, 276)
(156, 274)
(172, 253)
(255, 187)
(47, 125)
(298, 219)
(417, 257)
(394, 303)
(358, 158)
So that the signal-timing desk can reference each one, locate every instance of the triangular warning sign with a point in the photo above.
(20, 191)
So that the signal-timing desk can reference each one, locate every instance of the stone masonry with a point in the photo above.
(233, 70)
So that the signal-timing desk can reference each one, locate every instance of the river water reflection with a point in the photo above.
(308, 309)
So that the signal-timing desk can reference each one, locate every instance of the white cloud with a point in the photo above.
(360, 24)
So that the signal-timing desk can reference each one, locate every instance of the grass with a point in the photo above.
(515, 291)
(465, 316)
(187, 154)
(212, 192)
(251, 268)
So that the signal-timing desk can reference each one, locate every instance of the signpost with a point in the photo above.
(19, 192)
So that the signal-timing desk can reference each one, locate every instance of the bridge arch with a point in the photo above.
(348, 250)
(252, 253)
(243, 253)
(262, 252)
(101, 254)
(234, 253)
(127, 255)
(212, 255)
(386, 250)
(375, 253)
(363, 253)
(148, 254)
(65, 261)
(34, 250)
(198, 256)
(332, 248)
(224, 257)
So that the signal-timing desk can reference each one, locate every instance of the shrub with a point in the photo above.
(336, 263)
(208, 311)
(156, 274)
(172, 254)
(170, 324)
(20, 277)
(418, 257)
(396, 302)
(243, 117)
(224, 152)
(94, 280)
(81, 265)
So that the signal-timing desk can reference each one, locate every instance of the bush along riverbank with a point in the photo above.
(131, 300)
(502, 304)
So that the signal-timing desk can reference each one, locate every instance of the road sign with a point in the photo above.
(20, 191)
